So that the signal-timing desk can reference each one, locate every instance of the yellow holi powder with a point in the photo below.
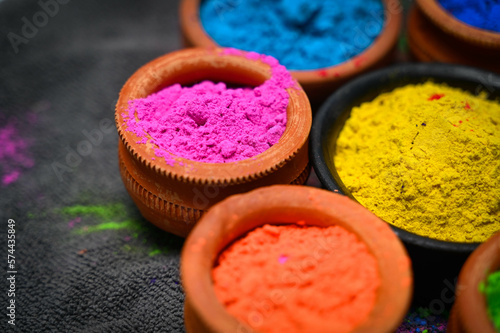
(426, 158)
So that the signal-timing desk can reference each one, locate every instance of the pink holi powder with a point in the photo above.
(14, 154)
(10, 177)
(211, 123)
(283, 259)
(72, 223)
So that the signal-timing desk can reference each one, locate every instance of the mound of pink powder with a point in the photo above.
(212, 123)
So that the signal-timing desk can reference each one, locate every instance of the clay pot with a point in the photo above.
(318, 84)
(282, 204)
(434, 35)
(443, 259)
(173, 197)
(469, 313)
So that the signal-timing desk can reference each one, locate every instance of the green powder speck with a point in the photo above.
(115, 217)
(423, 312)
(154, 252)
(107, 212)
(491, 289)
(129, 224)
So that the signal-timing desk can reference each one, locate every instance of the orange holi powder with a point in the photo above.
(293, 278)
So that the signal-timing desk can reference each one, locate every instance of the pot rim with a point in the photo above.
(193, 31)
(212, 64)
(449, 23)
(336, 109)
(287, 204)
(471, 303)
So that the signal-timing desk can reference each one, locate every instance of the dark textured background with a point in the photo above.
(65, 79)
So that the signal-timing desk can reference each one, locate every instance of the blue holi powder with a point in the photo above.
(301, 34)
(483, 14)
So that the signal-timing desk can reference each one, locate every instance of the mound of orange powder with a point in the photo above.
(293, 278)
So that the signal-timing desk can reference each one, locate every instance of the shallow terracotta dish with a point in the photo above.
(318, 84)
(443, 259)
(437, 36)
(469, 313)
(282, 204)
(173, 197)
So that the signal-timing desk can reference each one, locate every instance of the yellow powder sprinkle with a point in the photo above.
(426, 158)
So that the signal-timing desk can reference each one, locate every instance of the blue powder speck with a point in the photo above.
(483, 14)
(301, 34)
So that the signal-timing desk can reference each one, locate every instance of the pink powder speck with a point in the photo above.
(72, 223)
(283, 259)
(212, 123)
(14, 153)
(11, 177)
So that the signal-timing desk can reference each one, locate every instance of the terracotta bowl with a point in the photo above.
(453, 26)
(282, 204)
(437, 36)
(436, 263)
(469, 313)
(173, 197)
(318, 84)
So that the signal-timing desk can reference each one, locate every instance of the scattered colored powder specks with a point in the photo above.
(72, 223)
(484, 14)
(212, 123)
(491, 290)
(422, 321)
(115, 217)
(15, 156)
(432, 167)
(301, 34)
(333, 291)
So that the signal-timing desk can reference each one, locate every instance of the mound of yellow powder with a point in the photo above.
(426, 158)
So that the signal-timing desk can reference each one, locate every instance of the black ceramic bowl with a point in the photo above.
(436, 263)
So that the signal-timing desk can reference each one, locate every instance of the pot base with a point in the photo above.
(162, 212)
